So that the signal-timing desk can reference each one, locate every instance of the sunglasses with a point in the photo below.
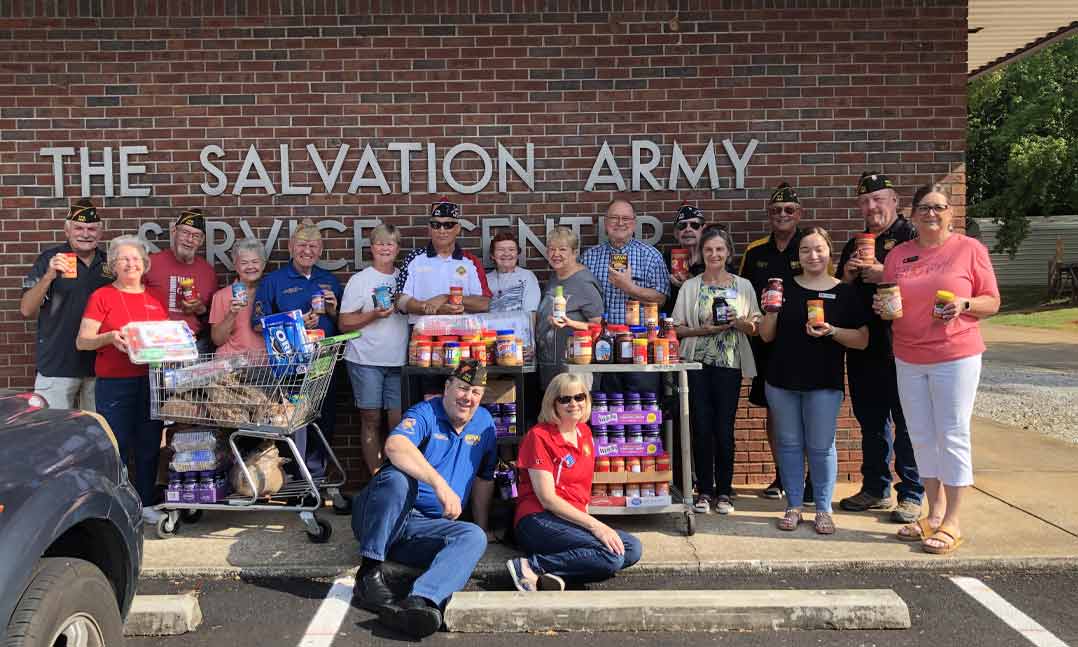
(695, 224)
(442, 224)
(789, 210)
(566, 399)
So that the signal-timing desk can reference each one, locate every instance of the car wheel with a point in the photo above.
(69, 602)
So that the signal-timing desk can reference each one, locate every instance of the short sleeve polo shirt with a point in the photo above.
(430, 275)
(61, 314)
(458, 458)
(286, 289)
(544, 449)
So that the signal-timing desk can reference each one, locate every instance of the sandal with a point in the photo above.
(790, 520)
(824, 524)
(916, 531)
(949, 537)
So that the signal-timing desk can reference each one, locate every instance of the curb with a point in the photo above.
(496, 569)
(740, 610)
(163, 615)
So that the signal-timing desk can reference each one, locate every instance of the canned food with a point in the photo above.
(383, 297)
(815, 312)
(943, 299)
(318, 304)
(239, 293)
(456, 295)
(71, 265)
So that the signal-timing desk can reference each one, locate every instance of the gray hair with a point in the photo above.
(564, 235)
(127, 240)
(384, 231)
(248, 245)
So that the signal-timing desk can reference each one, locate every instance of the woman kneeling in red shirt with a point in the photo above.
(556, 463)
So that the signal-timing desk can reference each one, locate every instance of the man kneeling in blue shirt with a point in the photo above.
(442, 450)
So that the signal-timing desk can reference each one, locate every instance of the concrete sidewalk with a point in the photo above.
(1021, 512)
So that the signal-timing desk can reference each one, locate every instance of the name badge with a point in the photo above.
(826, 295)
(910, 259)
(568, 461)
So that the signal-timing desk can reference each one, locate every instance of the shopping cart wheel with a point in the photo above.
(690, 524)
(325, 531)
(190, 516)
(167, 526)
(342, 505)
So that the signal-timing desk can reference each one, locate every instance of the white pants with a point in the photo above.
(66, 392)
(937, 400)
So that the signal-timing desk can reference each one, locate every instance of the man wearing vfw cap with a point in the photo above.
(871, 372)
(429, 272)
(65, 376)
(773, 257)
(181, 261)
(442, 453)
(688, 223)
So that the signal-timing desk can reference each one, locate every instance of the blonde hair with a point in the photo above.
(385, 231)
(560, 383)
(565, 235)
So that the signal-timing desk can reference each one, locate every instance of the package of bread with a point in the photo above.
(264, 465)
(182, 407)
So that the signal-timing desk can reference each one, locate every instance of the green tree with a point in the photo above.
(1022, 142)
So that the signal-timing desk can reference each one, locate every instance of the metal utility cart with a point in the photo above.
(681, 498)
(261, 397)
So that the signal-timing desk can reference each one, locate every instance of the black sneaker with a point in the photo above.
(414, 616)
(702, 504)
(773, 491)
(371, 592)
(809, 498)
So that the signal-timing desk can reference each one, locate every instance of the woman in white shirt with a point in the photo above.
(512, 288)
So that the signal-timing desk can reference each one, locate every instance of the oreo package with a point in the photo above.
(286, 342)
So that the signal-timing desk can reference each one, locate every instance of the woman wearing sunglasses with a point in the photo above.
(938, 347)
(556, 461)
(723, 349)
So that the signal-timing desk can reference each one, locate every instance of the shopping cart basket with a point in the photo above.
(260, 396)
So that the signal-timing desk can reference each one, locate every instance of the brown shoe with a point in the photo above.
(908, 511)
(863, 501)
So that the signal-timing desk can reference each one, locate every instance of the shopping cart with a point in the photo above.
(259, 396)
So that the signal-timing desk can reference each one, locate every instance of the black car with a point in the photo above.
(70, 527)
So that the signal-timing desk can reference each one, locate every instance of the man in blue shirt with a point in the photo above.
(646, 279)
(292, 288)
(442, 452)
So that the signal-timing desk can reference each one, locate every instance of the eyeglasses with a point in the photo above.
(443, 224)
(925, 208)
(622, 220)
(695, 224)
(789, 210)
(566, 399)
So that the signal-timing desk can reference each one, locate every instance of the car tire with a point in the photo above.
(66, 593)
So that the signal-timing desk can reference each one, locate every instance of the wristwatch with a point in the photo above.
(831, 333)
(968, 305)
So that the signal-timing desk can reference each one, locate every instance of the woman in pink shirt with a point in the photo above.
(230, 318)
(938, 357)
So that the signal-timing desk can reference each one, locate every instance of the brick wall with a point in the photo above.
(827, 92)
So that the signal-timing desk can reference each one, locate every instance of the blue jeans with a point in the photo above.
(805, 425)
(388, 527)
(715, 391)
(125, 404)
(562, 548)
(875, 403)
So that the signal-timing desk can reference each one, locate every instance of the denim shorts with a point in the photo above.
(375, 387)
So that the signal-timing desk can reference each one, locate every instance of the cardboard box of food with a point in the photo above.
(633, 477)
(648, 501)
(500, 390)
(630, 449)
(607, 501)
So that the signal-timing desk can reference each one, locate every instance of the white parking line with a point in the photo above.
(1008, 613)
(327, 620)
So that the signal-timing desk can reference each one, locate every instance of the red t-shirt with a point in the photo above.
(962, 266)
(544, 449)
(115, 309)
(163, 282)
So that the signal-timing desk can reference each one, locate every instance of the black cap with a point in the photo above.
(687, 212)
(445, 209)
(783, 193)
(192, 218)
(870, 182)
(471, 372)
(83, 211)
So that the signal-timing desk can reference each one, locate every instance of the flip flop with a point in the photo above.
(951, 538)
(924, 529)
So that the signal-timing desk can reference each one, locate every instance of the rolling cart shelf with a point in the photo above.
(680, 504)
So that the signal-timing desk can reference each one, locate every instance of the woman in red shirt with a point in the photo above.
(123, 388)
(556, 463)
(938, 350)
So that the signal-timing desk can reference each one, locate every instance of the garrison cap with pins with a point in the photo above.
(687, 212)
(471, 372)
(783, 193)
(192, 218)
(445, 209)
(871, 181)
(84, 211)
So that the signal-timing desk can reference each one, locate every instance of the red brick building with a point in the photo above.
(823, 92)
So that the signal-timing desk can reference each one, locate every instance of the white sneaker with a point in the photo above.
(723, 505)
(151, 516)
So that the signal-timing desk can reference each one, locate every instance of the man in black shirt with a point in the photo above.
(688, 223)
(773, 257)
(871, 372)
(57, 300)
